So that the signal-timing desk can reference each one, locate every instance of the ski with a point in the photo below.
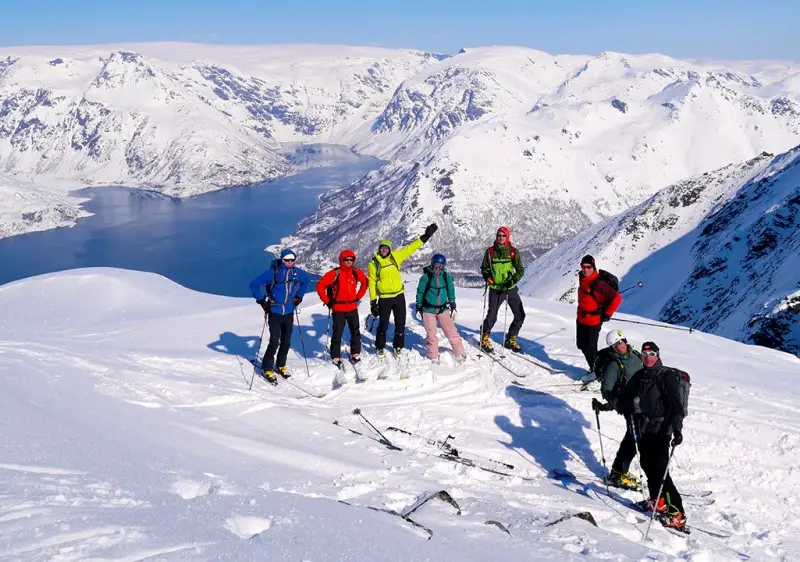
(448, 448)
(542, 365)
(559, 474)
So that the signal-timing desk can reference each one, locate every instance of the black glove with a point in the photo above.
(418, 310)
(264, 305)
(373, 308)
(677, 438)
(297, 301)
(429, 231)
(452, 305)
(598, 406)
(605, 317)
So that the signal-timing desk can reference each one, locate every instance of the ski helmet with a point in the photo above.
(614, 337)
(438, 259)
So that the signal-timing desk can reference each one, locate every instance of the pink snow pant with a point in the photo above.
(450, 332)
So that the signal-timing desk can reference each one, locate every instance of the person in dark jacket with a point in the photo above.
(597, 302)
(622, 363)
(341, 289)
(652, 403)
(502, 269)
(279, 290)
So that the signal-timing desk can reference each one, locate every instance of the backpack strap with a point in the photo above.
(439, 290)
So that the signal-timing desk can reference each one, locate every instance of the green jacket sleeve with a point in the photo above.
(451, 287)
(372, 280)
(486, 266)
(403, 253)
(519, 269)
(610, 378)
(421, 290)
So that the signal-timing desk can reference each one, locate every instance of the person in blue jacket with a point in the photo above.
(278, 291)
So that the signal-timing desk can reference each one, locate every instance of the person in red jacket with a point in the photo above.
(597, 302)
(340, 290)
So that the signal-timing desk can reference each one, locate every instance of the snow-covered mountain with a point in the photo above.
(130, 434)
(182, 118)
(548, 145)
(27, 207)
(719, 251)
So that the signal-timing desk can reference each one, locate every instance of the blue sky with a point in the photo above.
(731, 29)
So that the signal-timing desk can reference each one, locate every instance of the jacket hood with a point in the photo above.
(507, 233)
(346, 254)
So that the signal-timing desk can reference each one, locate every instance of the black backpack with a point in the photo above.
(609, 278)
(329, 291)
(684, 386)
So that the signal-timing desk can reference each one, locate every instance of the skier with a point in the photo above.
(502, 269)
(597, 302)
(386, 291)
(279, 290)
(651, 400)
(621, 364)
(341, 289)
(436, 300)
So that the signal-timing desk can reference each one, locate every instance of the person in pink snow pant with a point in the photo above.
(436, 301)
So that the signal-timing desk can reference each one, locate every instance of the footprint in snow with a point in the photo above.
(247, 527)
(190, 489)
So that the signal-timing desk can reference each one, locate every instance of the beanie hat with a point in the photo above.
(288, 254)
(384, 242)
(650, 346)
(589, 260)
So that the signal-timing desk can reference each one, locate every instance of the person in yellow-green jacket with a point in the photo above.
(502, 269)
(386, 292)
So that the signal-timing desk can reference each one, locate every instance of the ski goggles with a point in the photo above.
(649, 353)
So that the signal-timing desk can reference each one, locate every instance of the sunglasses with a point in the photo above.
(501, 235)
(587, 267)
(289, 260)
(649, 354)
(349, 259)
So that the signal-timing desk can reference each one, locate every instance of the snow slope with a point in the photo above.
(720, 252)
(130, 433)
(26, 206)
(548, 145)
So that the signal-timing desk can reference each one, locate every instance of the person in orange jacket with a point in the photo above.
(597, 302)
(341, 289)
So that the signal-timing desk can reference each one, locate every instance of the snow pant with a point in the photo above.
(496, 298)
(280, 340)
(448, 327)
(654, 451)
(586, 340)
(339, 320)
(386, 307)
(625, 453)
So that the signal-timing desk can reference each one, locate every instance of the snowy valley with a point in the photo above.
(130, 434)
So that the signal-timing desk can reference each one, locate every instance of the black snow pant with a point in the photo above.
(388, 306)
(625, 453)
(339, 320)
(654, 451)
(280, 340)
(586, 339)
(496, 298)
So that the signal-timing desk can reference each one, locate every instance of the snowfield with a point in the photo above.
(130, 433)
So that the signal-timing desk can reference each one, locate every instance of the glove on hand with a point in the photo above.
(429, 231)
(373, 308)
(677, 438)
(297, 301)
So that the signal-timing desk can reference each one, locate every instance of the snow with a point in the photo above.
(131, 433)
(26, 206)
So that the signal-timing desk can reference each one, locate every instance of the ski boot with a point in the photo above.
(338, 363)
(355, 359)
(284, 372)
(648, 506)
(623, 480)
(674, 520)
(381, 354)
(271, 378)
(511, 343)
(486, 343)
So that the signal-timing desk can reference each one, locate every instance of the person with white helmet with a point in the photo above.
(621, 364)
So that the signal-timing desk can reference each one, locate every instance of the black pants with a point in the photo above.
(586, 339)
(339, 320)
(496, 298)
(654, 451)
(387, 306)
(280, 340)
(625, 453)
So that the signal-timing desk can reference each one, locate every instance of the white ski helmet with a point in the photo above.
(613, 337)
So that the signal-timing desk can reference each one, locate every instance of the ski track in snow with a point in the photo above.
(146, 442)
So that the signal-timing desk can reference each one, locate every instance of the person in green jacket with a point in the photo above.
(621, 362)
(502, 269)
(436, 300)
(386, 290)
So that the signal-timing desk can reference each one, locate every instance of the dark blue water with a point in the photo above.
(212, 243)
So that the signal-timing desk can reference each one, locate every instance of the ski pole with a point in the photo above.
(681, 328)
(660, 489)
(632, 429)
(602, 453)
(255, 359)
(483, 314)
(505, 322)
(328, 333)
(357, 412)
(302, 342)
(636, 286)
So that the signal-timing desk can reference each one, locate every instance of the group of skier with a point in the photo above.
(651, 397)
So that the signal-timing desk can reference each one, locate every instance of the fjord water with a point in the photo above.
(212, 243)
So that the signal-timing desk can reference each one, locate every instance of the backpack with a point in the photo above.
(603, 358)
(329, 289)
(378, 266)
(429, 276)
(512, 248)
(609, 278)
(684, 386)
